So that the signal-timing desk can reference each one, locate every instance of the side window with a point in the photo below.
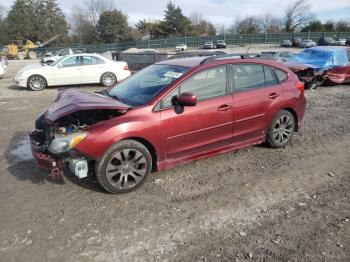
(207, 83)
(167, 100)
(92, 60)
(269, 78)
(281, 75)
(248, 77)
(71, 61)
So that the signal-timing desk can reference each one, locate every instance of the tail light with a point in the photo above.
(126, 67)
(300, 86)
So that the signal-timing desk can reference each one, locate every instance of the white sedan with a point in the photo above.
(72, 70)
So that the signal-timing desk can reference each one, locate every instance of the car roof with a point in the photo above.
(234, 58)
(185, 61)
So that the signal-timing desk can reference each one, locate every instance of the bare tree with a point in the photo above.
(297, 14)
(201, 25)
(221, 29)
(94, 8)
(269, 23)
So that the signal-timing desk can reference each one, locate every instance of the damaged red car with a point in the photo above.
(317, 65)
(169, 113)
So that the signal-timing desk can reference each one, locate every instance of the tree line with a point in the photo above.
(100, 21)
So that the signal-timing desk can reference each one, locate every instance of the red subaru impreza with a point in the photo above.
(171, 112)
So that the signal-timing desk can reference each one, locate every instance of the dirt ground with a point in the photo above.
(255, 204)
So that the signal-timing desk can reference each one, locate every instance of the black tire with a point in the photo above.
(281, 129)
(36, 83)
(108, 79)
(128, 164)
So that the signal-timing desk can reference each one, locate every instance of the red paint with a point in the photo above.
(211, 127)
(338, 75)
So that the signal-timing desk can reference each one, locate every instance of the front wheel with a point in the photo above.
(124, 167)
(108, 79)
(281, 129)
(36, 83)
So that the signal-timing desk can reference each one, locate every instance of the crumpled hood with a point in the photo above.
(68, 101)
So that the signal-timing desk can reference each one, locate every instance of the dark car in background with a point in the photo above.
(327, 41)
(220, 44)
(169, 113)
(296, 42)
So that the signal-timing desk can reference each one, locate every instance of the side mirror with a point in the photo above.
(185, 99)
(59, 66)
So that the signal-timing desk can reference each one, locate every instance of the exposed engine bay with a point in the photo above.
(54, 142)
(310, 78)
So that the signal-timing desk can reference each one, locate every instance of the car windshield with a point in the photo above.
(142, 87)
(58, 61)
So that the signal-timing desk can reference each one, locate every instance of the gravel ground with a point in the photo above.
(254, 204)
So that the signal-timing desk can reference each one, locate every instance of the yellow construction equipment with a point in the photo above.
(19, 49)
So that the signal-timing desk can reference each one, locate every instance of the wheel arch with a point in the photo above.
(295, 115)
(37, 75)
(150, 147)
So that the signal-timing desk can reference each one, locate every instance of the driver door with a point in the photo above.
(206, 126)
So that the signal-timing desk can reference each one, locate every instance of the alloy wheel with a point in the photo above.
(37, 83)
(126, 168)
(283, 129)
(108, 79)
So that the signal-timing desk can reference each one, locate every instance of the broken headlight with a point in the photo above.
(63, 143)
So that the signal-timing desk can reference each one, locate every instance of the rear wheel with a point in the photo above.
(124, 167)
(281, 129)
(108, 79)
(36, 83)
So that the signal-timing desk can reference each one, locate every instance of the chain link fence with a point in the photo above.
(197, 42)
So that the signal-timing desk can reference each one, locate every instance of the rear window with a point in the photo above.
(269, 78)
(281, 75)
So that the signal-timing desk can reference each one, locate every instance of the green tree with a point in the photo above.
(313, 26)
(329, 26)
(21, 20)
(342, 26)
(55, 22)
(175, 23)
(36, 20)
(112, 26)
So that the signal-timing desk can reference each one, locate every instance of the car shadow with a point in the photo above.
(22, 166)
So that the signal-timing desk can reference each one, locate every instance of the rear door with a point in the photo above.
(256, 96)
(203, 127)
(93, 68)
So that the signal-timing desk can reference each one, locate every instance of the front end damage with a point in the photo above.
(311, 77)
(59, 131)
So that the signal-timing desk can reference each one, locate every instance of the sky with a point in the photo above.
(217, 11)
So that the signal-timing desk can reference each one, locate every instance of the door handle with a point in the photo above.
(224, 108)
(273, 95)
(78, 69)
